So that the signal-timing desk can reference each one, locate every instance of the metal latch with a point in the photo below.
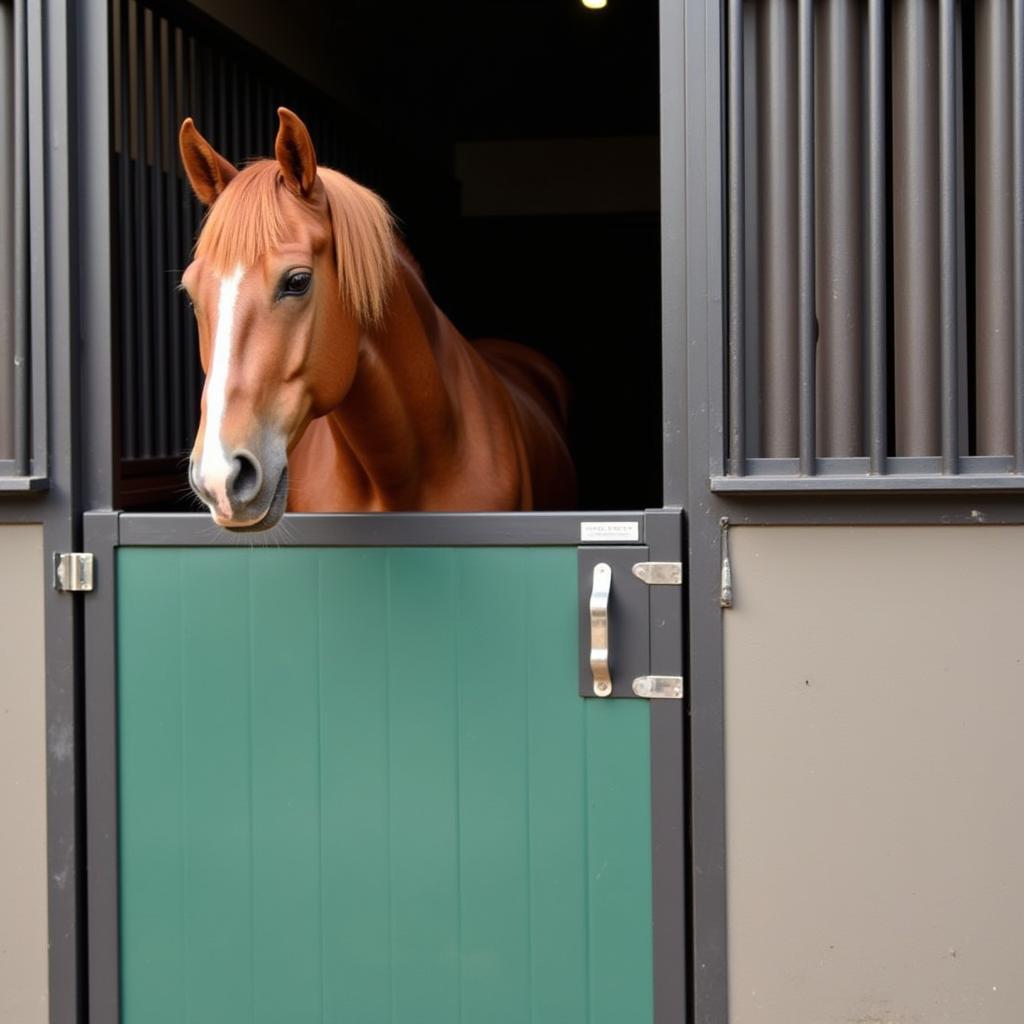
(659, 687)
(658, 574)
(72, 571)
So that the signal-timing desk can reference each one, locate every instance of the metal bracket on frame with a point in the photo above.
(73, 571)
(659, 574)
(659, 687)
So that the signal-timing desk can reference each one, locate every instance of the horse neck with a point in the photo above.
(398, 419)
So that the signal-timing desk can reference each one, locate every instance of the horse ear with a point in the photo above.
(208, 172)
(295, 153)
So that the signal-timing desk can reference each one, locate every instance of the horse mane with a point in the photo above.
(246, 222)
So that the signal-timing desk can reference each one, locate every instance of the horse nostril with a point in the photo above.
(245, 479)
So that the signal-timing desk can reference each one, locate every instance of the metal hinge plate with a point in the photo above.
(72, 571)
(659, 687)
(659, 573)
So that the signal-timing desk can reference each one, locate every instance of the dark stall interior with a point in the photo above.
(538, 219)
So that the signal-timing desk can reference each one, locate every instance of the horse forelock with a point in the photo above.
(247, 221)
(364, 244)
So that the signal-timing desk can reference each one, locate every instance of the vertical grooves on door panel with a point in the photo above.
(458, 797)
(392, 988)
(182, 806)
(251, 735)
(587, 909)
(320, 785)
(528, 801)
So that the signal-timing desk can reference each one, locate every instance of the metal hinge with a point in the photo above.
(72, 571)
(659, 687)
(659, 573)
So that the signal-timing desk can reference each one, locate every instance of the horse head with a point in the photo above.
(292, 266)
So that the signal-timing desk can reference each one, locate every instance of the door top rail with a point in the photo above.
(383, 529)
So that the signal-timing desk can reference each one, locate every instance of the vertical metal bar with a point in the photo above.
(737, 245)
(1018, 233)
(170, 54)
(994, 228)
(779, 255)
(21, 373)
(220, 141)
(126, 277)
(142, 271)
(235, 115)
(839, 262)
(947, 232)
(97, 86)
(878, 320)
(247, 116)
(158, 207)
(202, 97)
(805, 189)
(7, 265)
(752, 244)
(915, 206)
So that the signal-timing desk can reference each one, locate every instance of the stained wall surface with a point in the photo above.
(875, 775)
(23, 903)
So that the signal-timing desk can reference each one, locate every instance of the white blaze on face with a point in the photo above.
(215, 464)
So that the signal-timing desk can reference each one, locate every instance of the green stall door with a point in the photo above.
(358, 786)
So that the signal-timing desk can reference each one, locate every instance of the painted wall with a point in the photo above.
(874, 709)
(23, 903)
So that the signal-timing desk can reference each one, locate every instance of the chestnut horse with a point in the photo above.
(333, 382)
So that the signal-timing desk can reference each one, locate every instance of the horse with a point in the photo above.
(333, 381)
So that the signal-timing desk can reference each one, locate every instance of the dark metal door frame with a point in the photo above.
(66, 286)
(84, 426)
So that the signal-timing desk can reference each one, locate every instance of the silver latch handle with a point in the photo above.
(599, 595)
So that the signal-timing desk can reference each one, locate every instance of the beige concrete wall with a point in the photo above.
(875, 775)
(23, 904)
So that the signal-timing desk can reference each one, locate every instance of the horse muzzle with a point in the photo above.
(242, 498)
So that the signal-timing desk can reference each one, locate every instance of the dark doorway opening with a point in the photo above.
(519, 151)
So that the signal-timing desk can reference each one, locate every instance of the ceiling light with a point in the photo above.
(594, 5)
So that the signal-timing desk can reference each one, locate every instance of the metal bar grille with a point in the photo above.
(25, 190)
(876, 241)
(20, 345)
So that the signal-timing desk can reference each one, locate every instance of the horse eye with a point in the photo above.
(296, 283)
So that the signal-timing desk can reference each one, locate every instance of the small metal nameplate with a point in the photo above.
(616, 532)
